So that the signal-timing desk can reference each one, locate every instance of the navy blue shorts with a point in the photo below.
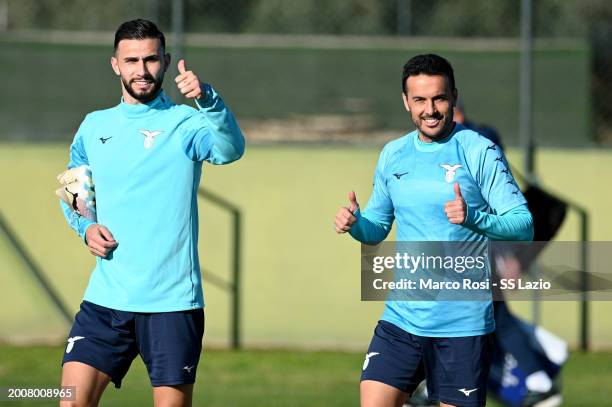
(170, 343)
(456, 369)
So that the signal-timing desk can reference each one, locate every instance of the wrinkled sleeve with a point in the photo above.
(212, 133)
(374, 223)
(509, 217)
(516, 224)
(78, 157)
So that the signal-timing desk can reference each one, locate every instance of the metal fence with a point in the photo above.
(500, 18)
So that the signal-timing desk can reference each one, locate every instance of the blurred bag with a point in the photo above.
(507, 379)
(548, 212)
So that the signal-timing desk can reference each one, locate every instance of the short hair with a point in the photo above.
(428, 64)
(138, 30)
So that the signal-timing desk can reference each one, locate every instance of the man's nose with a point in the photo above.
(430, 107)
(142, 68)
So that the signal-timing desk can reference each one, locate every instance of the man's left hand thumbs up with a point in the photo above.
(456, 210)
(188, 82)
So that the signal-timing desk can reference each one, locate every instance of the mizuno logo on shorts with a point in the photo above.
(367, 359)
(71, 342)
(466, 391)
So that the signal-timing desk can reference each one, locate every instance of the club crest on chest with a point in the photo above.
(451, 171)
(149, 137)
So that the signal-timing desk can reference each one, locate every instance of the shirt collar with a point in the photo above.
(435, 145)
(162, 101)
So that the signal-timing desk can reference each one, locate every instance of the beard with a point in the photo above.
(440, 131)
(144, 96)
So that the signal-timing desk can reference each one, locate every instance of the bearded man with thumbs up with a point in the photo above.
(441, 182)
(145, 156)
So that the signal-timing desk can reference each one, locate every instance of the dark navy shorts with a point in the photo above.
(169, 343)
(456, 369)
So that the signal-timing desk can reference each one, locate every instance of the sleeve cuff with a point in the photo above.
(207, 97)
(470, 217)
(353, 230)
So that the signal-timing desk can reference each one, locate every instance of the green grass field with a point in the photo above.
(272, 378)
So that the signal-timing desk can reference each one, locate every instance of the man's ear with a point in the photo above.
(405, 99)
(455, 96)
(167, 60)
(115, 65)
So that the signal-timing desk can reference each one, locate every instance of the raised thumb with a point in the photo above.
(457, 191)
(181, 66)
(353, 201)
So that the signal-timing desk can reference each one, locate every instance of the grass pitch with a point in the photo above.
(271, 378)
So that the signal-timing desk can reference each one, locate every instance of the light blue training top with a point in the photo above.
(412, 182)
(146, 163)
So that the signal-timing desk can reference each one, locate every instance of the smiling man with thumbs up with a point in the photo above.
(146, 154)
(444, 183)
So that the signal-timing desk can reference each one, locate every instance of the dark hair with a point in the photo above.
(428, 64)
(138, 30)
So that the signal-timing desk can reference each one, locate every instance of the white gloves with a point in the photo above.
(78, 191)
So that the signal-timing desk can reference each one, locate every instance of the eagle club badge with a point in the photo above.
(451, 171)
(149, 137)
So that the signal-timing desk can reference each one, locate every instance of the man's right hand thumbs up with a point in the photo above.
(345, 216)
